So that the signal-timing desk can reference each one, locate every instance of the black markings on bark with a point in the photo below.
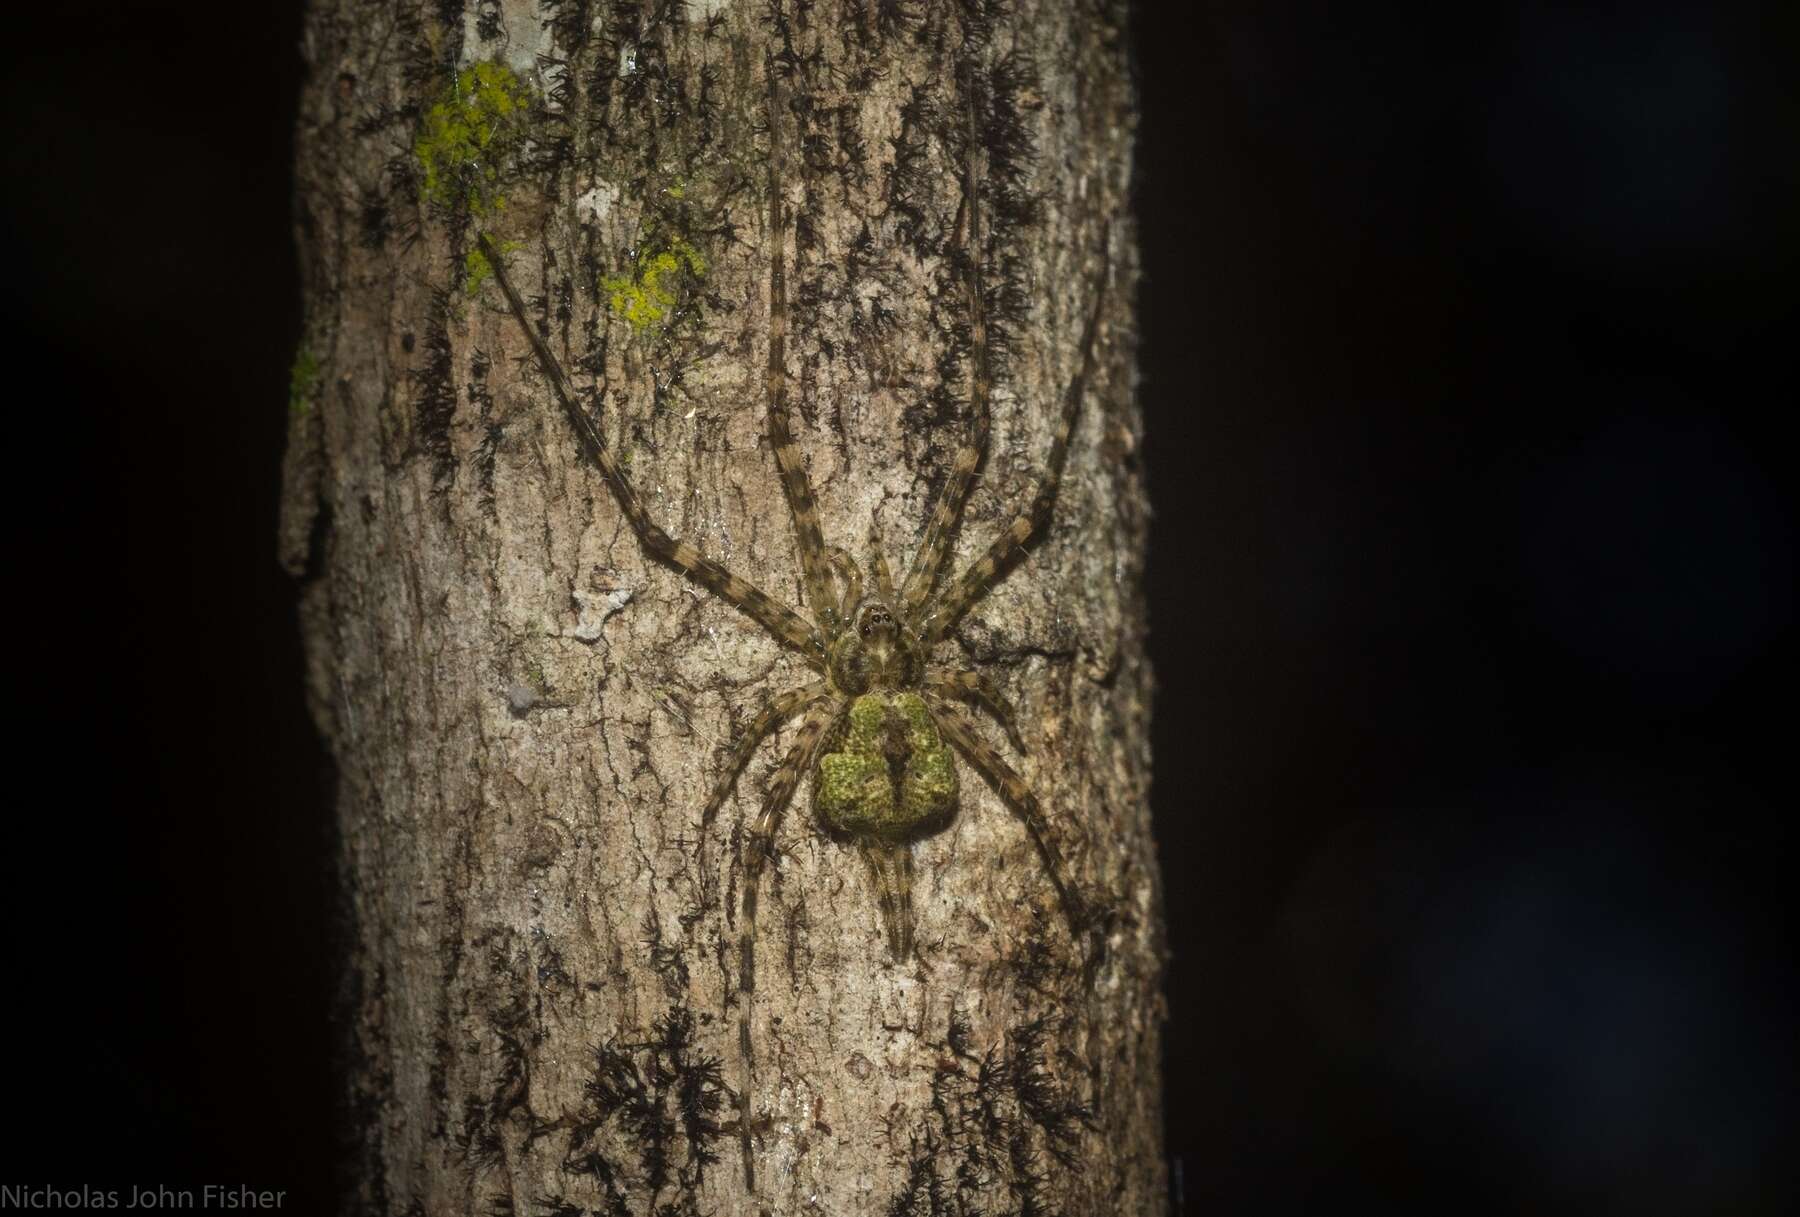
(487, 20)
(910, 179)
(664, 1096)
(487, 450)
(435, 398)
(507, 1040)
(568, 21)
(670, 962)
(994, 1120)
(374, 222)
(1003, 96)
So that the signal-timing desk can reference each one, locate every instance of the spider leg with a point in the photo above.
(781, 621)
(781, 788)
(776, 711)
(1017, 795)
(795, 485)
(973, 686)
(935, 547)
(891, 874)
(762, 837)
(937, 620)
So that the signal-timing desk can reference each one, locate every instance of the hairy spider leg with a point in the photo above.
(762, 842)
(780, 792)
(1014, 793)
(1012, 540)
(795, 485)
(935, 547)
(974, 687)
(776, 711)
(891, 873)
(781, 621)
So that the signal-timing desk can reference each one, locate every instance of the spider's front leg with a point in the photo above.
(1017, 795)
(935, 547)
(795, 485)
(781, 621)
(937, 619)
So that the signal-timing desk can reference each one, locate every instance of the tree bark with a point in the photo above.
(541, 1003)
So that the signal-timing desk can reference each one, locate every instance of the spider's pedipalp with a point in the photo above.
(851, 578)
(934, 548)
(781, 621)
(1016, 794)
(973, 686)
(884, 578)
(937, 618)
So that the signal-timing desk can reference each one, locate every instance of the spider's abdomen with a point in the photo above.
(887, 774)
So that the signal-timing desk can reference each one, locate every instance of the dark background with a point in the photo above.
(1467, 363)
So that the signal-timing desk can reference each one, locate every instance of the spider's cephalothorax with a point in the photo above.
(873, 651)
(879, 728)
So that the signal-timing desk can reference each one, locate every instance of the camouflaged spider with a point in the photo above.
(879, 727)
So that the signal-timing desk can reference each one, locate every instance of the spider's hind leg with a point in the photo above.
(891, 873)
(757, 849)
(776, 711)
(1016, 794)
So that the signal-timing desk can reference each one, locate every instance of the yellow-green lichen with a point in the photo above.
(303, 378)
(467, 134)
(477, 269)
(646, 298)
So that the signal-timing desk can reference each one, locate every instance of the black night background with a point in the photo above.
(1466, 333)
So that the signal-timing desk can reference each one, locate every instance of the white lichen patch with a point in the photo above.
(595, 608)
(596, 203)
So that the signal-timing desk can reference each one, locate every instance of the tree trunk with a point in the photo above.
(543, 1005)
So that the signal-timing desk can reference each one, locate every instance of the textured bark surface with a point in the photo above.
(541, 998)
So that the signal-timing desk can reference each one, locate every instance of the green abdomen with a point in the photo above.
(886, 773)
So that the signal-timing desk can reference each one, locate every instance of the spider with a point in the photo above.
(879, 726)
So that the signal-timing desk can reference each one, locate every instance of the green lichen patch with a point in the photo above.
(303, 379)
(478, 270)
(467, 135)
(647, 297)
